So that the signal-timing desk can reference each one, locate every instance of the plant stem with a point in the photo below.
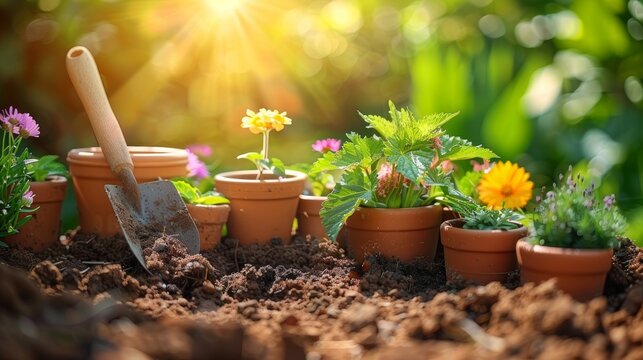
(264, 151)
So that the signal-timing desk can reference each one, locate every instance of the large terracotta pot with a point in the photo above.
(209, 219)
(308, 220)
(579, 272)
(43, 229)
(481, 256)
(403, 234)
(90, 173)
(261, 210)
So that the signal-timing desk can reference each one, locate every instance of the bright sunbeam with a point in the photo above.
(225, 8)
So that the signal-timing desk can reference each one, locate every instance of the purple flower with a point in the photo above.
(200, 149)
(27, 198)
(326, 145)
(609, 201)
(196, 168)
(19, 123)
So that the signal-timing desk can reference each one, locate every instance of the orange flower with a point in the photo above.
(506, 185)
(264, 121)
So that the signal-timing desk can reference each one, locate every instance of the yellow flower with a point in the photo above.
(506, 185)
(264, 121)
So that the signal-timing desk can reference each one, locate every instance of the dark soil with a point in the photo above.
(91, 299)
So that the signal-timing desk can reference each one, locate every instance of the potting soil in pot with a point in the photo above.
(90, 299)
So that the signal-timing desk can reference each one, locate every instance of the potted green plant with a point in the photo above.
(47, 189)
(318, 186)
(209, 211)
(387, 194)
(263, 202)
(572, 238)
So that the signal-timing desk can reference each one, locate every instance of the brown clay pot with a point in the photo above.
(261, 210)
(90, 173)
(43, 229)
(308, 220)
(404, 234)
(579, 272)
(481, 256)
(209, 219)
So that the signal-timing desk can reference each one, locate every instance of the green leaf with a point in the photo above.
(324, 163)
(468, 183)
(455, 148)
(188, 192)
(383, 126)
(342, 203)
(48, 165)
(211, 200)
(412, 164)
(358, 151)
(252, 156)
(277, 166)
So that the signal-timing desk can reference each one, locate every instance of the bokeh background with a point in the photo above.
(543, 83)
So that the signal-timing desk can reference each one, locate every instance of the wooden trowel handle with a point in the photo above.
(84, 75)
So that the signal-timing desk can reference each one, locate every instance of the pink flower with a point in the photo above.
(387, 180)
(325, 145)
(27, 198)
(200, 149)
(19, 123)
(447, 166)
(196, 168)
(481, 167)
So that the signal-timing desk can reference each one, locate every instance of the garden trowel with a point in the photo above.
(143, 210)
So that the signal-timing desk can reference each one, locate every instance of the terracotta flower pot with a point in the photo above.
(405, 234)
(308, 220)
(209, 220)
(481, 256)
(90, 173)
(43, 230)
(579, 272)
(260, 210)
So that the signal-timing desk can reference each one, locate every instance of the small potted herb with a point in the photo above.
(480, 246)
(572, 239)
(318, 186)
(391, 182)
(209, 211)
(47, 189)
(263, 202)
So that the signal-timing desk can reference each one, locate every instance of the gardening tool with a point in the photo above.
(143, 210)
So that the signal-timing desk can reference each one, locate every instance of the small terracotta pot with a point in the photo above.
(404, 234)
(90, 173)
(209, 220)
(579, 272)
(43, 229)
(481, 256)
(308, 220)
(261, 210)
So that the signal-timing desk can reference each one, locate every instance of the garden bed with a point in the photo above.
(90, 299)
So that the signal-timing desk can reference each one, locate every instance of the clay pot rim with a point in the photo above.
(555, 250)
(207, 205)
(313, 197)
(233, 176)
(51, 179)
(456, 225)
(154, 154)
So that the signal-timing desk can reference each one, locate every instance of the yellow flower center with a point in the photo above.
(506, 190)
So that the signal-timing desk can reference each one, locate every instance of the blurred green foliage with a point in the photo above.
(543, 83)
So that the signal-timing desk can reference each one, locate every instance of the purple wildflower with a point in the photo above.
(19, 123)
(200, 149)
(609, 201)
(326, 145)
(196, 168)
(27, 198)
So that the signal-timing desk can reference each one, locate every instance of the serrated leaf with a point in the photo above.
(383, 126)
(324, 163)
(455, 148)
(358, 151)
(187, 192)
(412, 164)
(342, 203)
